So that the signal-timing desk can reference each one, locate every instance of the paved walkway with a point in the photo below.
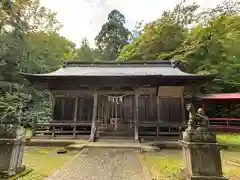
(103, 164)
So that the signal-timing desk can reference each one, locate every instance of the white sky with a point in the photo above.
(85, 17)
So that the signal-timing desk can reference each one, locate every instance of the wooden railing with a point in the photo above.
(158, 129)
(57, 127)
(84, 127)
(225, 123)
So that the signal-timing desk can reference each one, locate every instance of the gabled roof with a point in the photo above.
(154, 68)
(154, 73)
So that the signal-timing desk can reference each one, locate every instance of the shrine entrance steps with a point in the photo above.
(119, 133)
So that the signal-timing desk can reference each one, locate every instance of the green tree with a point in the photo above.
(138, 29)
(28, 42)
(85, 52)
(212, 48)
(113, 36)
(47, 51)
(18, 20)
(161, 36)
(209, 45)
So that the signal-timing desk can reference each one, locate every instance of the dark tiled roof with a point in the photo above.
(136, 68)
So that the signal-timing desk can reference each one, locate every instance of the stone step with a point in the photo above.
(116, 133)
(141, 147)
(118, 129)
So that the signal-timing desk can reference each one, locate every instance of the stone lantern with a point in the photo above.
(12, 140)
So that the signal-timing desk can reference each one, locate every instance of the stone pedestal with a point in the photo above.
(201, 155)
(11, 157)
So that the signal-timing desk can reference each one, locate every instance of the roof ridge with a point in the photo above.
(123, 62)
(132, 62)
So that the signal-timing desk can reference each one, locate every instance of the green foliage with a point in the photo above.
(113, 36)
(162, 36)
(205, 41)
(213, 48)
(29, 43)
(85, 52)
(138, 29)
(47, 52)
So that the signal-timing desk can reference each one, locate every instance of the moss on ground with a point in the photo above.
(166, 164)
(230, 139)
(163, 165)
(43, 161)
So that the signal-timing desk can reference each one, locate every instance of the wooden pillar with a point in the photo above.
(53, 108)
(94, 126)
(184, 121)
(75, 116)
(203, 106)
(53, 131)
(183, 111)
(136, 96)
(53, 105)
(158, 115)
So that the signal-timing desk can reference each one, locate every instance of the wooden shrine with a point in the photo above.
(129, 99)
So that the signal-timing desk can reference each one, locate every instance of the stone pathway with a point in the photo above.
(103, 164)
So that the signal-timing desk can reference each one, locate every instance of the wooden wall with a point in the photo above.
(168, 110)
(64, 109)
(171, 91)
(171, 107)
(65, 106)
(85, 109)
(147, 109)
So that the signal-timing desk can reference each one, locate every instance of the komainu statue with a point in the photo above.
(197, 120)
(192, 117)
(203, 120)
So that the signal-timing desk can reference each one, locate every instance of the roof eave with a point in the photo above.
(186, 80)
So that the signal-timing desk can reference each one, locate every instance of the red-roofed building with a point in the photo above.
(222, 96)
(223, 110)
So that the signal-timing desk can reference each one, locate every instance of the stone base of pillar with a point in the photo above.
(136, 137)
(187, 176)
(11, 155)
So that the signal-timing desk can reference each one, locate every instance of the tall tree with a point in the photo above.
(85, 52)
(113, 36)
(138, 29)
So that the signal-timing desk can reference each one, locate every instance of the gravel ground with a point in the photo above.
(103, 164)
